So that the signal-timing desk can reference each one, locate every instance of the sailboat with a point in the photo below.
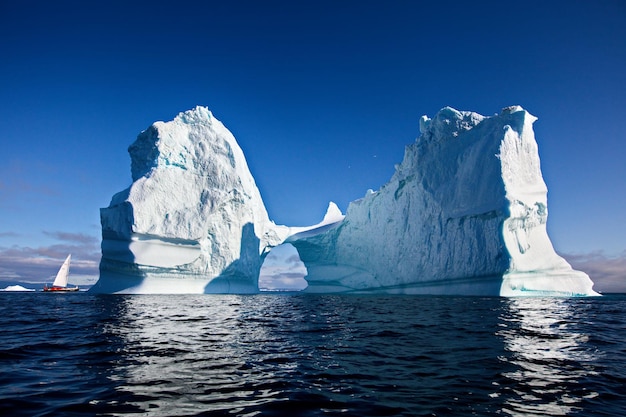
(60, 282)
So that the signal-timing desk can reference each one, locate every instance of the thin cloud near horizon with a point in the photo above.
(38, 264)
(282, 270)
(608, 273)
(73, 237)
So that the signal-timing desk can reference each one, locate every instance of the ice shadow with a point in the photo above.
(119, 271)
(242, 275)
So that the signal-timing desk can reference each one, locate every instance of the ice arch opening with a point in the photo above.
(282, 270)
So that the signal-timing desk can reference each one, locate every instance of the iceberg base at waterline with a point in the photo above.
(111, 282)
(464, 214)
(566, 283)
(555, 283)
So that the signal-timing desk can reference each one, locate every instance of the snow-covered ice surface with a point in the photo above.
(464, 213)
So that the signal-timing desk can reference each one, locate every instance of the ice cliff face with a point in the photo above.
(193, 219)
(464, 213)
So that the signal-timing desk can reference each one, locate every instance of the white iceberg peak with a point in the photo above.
(512, 109)
(447, 123)
(198, 114)
(333, 214)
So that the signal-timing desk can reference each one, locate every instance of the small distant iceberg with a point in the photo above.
(16, 288)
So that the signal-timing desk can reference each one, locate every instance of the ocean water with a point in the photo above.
(311, 355)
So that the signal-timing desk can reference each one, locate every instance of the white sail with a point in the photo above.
(63, 274)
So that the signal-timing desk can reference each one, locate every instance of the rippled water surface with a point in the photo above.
(306, 355)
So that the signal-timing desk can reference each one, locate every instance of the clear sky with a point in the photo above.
(322, 96)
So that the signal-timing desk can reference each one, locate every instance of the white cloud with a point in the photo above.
(73, 237)
(607, 272)
(38, 265)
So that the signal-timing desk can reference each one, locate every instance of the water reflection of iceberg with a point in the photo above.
(180, 356)
(201, 355)
(548, 356)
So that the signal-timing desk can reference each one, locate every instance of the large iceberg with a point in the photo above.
(193, 219)
(464, 213)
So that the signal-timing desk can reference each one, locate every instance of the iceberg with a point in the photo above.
(464, 213)
(192, 221)
(17, 288)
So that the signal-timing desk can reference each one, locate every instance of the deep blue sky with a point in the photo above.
(322, 97)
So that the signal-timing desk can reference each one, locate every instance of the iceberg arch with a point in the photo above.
(282, 270)
(464, 213)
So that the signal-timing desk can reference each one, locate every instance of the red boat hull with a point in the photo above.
(60, 289)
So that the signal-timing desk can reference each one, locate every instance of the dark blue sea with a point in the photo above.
(311, 355)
